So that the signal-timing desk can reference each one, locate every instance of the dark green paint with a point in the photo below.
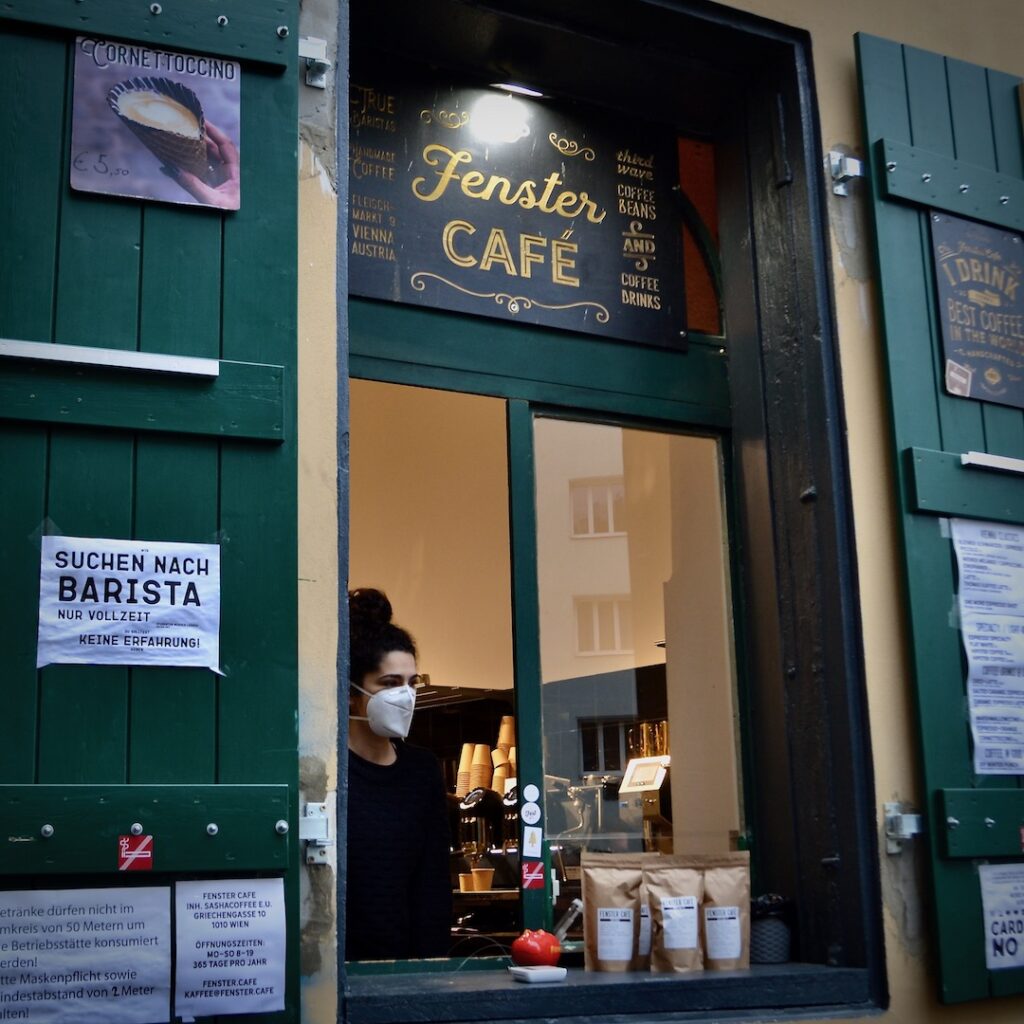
(982, 822)
(245, 401)
(87, 821)
(511, 360)
(904, 167)
(536, 903)
(942, 485)
(188, 25)
(133, 454)
(921, 108)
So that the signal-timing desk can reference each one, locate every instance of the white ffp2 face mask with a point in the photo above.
(389, 712)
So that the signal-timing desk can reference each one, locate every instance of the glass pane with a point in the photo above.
(599, 501)
(580, 510)
(636, 647)
(429, 527)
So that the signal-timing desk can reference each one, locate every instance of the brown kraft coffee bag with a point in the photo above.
(726, 911)
(675, 891)
(611, 911)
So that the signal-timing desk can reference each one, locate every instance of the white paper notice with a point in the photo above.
(614, 933)
(231, 947)
(990, 557)
(86, 956)
(1002, 901)
(128, 602)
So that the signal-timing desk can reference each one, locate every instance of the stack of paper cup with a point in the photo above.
(500, 777)
(507, 732)
(480, 770)
(462, 786)
(512, 762)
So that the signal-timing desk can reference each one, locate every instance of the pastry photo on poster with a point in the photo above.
(156, 124)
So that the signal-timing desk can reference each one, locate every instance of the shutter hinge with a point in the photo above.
(315, 832)
(900, 827)
(843, 169)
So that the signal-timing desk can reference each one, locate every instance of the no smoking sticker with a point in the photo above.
(134, 853)
(533, 874)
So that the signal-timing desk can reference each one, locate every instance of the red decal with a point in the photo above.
(533, 874)
(134, 853)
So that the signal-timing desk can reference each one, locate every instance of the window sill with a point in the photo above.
(494, 996)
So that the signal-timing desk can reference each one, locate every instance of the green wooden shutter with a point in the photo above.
(132, 454)
(934, 124)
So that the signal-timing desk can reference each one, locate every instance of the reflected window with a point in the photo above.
(598, 507)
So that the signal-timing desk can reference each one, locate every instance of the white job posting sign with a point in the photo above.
(231, 947)
(1002, 902)
(990, 557)
(128, 602)
(86, 956)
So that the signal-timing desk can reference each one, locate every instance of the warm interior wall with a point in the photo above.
(429, 524)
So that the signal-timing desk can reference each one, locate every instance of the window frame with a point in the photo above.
(795, 567)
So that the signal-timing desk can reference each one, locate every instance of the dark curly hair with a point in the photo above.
(372, 634)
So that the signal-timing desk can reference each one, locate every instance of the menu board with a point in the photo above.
(990, 559)
(485, 202)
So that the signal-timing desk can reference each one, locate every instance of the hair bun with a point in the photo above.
(369, 608)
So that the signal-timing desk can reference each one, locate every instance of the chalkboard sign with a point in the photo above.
(978, 271)
(485, 202)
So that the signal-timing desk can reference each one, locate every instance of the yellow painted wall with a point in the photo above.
(989, 32)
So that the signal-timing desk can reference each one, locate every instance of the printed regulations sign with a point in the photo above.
(981, 308)
(86, 956)
(128, 602)
(1002, 901)
(479, 201)
(155, 124)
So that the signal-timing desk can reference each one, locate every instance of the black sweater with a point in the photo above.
(399, 902)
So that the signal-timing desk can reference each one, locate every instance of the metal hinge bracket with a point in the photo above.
(900, 827)
(314, 51)
(843, 168)
(315, 832)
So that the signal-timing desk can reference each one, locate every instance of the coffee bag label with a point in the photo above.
(614, 933)
(679, 914)
(645, 930)
(722, 930)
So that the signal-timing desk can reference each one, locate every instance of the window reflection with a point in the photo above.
(635, 642)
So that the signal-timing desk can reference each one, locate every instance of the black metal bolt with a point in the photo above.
(926, 176)
(155, 9)
(222, 20)
(809, 494)
(964, 187)
(891, 165)
(282, 31)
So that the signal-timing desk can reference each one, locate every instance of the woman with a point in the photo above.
(399, 888)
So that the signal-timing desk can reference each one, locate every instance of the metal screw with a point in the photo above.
(791, 671)
(891, 165)
(809, 494)
(46, 831)
(1003, 200)
(281, 828)
(682, 334)
(990, 823)
(926, 176)
(964, 187)
(222, 20)
(282, 31)
(155, 9)
(212, 829)
(936, 218)
(136, 829)
(952, 822)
